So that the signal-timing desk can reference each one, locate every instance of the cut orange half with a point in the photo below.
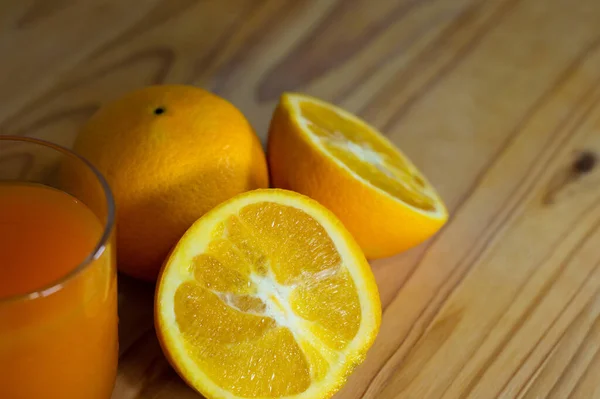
(322, 151)
(267, 296)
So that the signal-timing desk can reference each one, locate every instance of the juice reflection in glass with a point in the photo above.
(58, 298)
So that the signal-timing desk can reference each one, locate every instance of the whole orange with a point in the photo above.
(170, 153)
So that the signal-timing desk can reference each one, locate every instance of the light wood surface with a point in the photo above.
(497, 101)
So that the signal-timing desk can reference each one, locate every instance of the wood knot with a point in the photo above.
(585, 162)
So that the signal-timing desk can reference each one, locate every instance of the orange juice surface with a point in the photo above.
(60, 342)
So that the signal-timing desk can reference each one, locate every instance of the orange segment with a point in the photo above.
(267, 295)
(299, 246)
(218, 276)
(202, 314)
(336, 320)
(322, 151)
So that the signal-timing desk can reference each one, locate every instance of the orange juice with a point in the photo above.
(58, 300)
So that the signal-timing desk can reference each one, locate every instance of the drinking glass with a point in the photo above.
(58, 287)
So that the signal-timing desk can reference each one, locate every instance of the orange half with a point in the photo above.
(325, 152)
(267, 296)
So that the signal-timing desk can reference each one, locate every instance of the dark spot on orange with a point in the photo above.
(159, 111)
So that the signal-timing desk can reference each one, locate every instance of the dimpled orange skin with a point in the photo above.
(369, 214)
(170, 153)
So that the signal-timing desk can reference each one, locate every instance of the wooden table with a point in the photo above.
(497, 101)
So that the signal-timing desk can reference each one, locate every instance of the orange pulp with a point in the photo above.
(61, 340)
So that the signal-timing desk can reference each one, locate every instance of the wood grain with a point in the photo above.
(497, 101)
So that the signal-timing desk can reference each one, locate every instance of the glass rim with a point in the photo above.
(107, 230)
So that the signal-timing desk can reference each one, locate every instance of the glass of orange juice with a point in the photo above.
(58, 287)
